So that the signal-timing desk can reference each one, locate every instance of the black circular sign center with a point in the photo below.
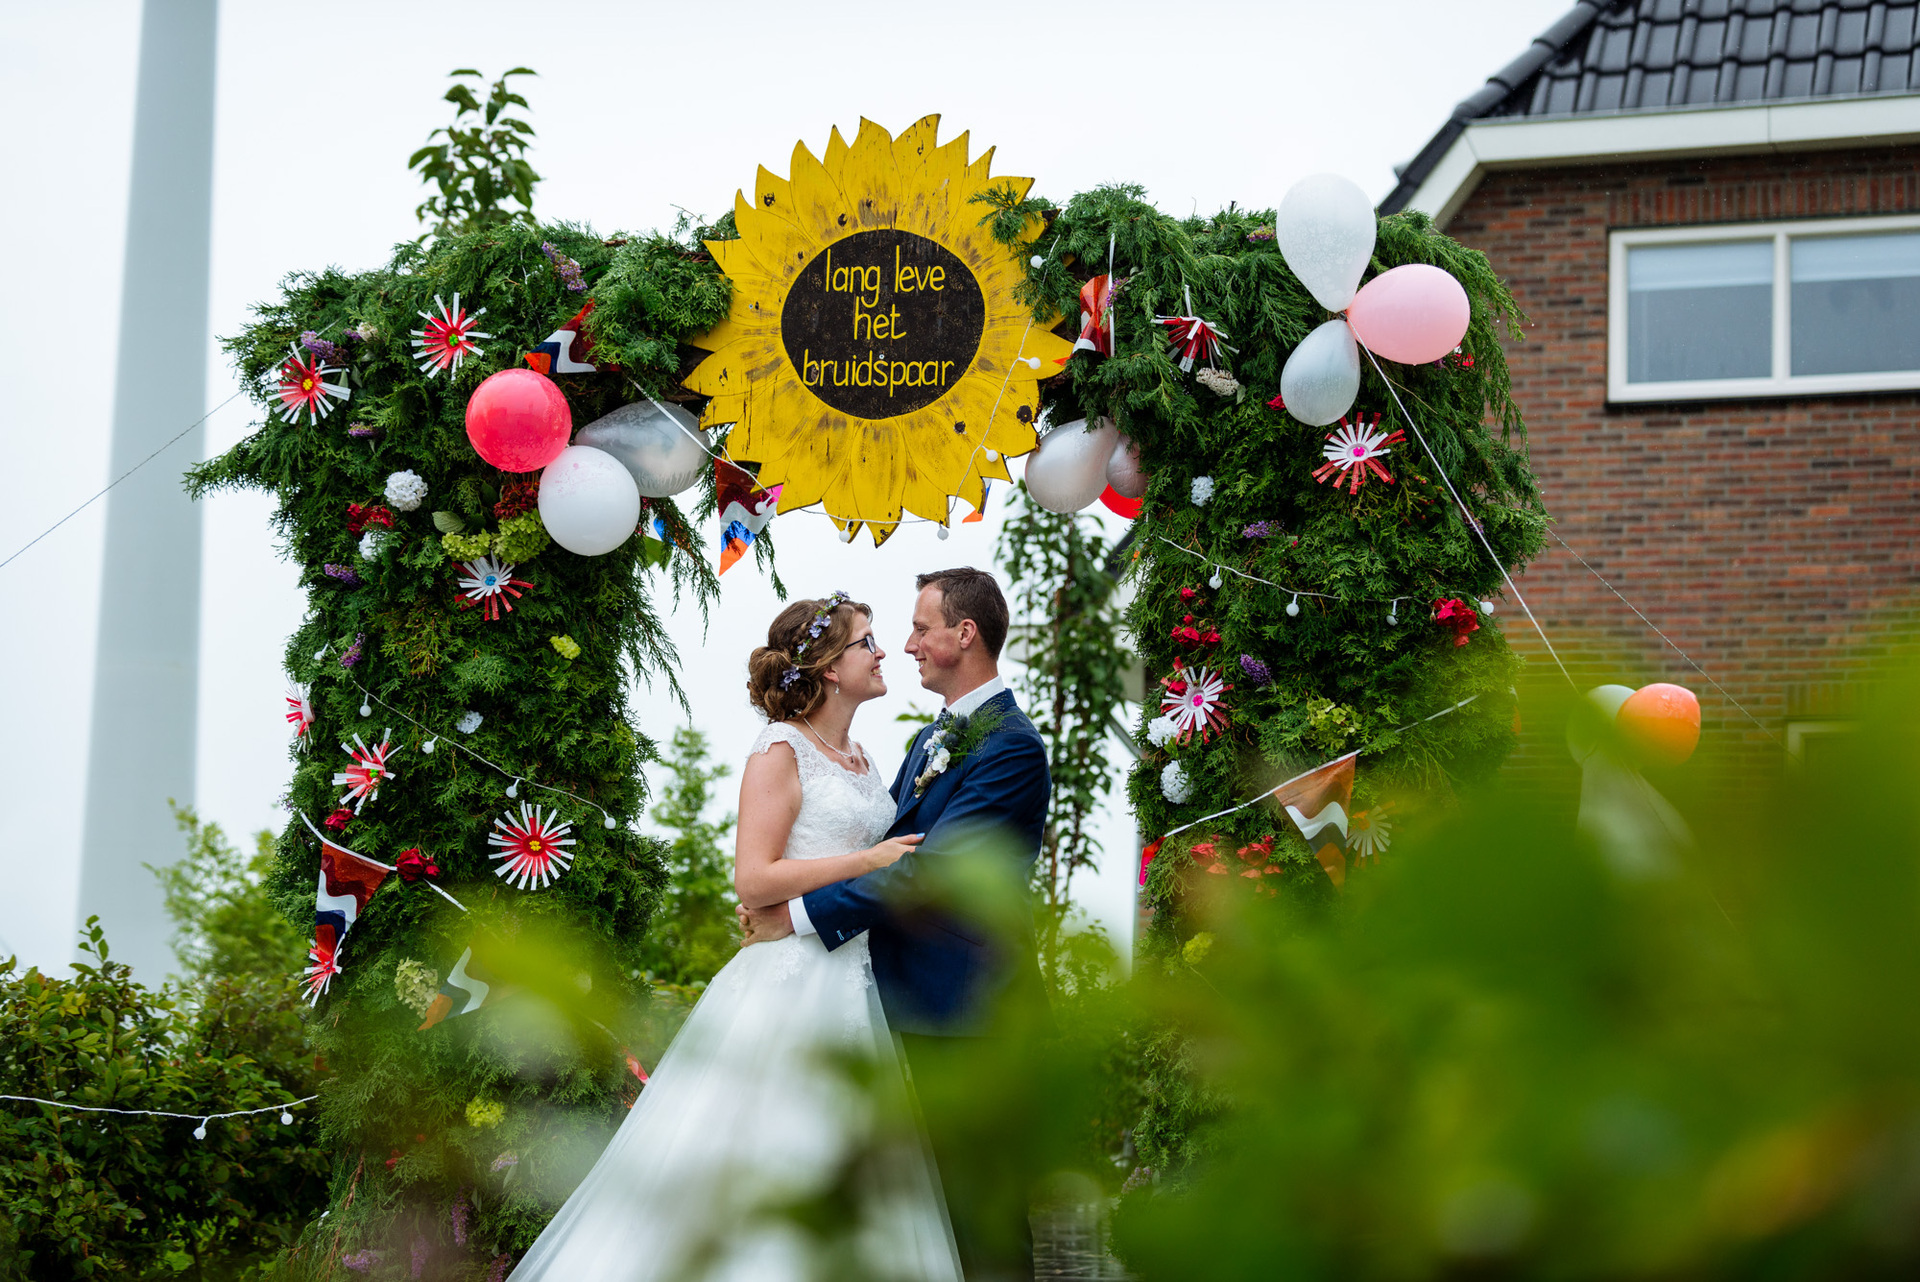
(882, 323)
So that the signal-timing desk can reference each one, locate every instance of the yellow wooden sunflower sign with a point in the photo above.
(875, 360)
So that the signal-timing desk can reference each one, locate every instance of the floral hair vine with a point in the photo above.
(821, 618)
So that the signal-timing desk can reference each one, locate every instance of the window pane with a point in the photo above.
(1700, 311)
(1856, 303)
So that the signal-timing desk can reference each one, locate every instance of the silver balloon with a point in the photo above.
(661, 445)
(1123, 470)
(1324, 228)
(1069, 470)
(1322, 376)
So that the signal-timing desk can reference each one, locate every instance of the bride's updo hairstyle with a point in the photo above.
(786, 677)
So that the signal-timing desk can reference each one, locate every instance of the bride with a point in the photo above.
(753, 1108)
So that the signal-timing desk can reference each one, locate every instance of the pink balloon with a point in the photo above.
(518, 420)
(1411, 314)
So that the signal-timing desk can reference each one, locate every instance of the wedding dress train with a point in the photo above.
(752, 1108)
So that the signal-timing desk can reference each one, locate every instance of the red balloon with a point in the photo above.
(518, 420)
(1118, 502)
(1662, 721)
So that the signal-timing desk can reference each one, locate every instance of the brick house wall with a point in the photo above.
(1776, 540)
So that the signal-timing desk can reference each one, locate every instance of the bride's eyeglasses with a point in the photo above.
(873, 647)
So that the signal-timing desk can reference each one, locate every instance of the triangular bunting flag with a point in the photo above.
(347, 881)
(467, 988)
(744, 507)
(1318, 802)
(566, 350)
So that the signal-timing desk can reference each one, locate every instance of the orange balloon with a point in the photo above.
(1662, 721)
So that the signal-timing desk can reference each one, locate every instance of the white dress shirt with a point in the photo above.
(964, 706)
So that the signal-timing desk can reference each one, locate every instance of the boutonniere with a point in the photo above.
(953, 741)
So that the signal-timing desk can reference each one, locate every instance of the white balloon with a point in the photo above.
(1069, 470)
(588, 501)
(1322, 376)
(1324, 228)
(1581, 729)
(662, 446)
(1123, 470)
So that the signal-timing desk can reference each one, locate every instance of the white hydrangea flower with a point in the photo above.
(469, 723)
(405, 490)
(1174, 784)
(1202, 490)
(1159, 730)
(370, 545)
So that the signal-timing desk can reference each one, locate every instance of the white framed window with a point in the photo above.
(1764, 309)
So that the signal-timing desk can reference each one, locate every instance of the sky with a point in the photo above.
(642, 110)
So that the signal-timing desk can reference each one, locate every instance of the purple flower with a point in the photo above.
(565, 268)
(363, 431)
(788, 677)
(353, 336)
(330, 353)
(361, 1261)
(420, 1251)
(1258, 674)
(501, 1263)
(1258, 530)
(352, 655)
(505, 1162)
(343, 573)
(462, 1216)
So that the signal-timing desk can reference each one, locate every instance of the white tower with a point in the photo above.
(146, 675)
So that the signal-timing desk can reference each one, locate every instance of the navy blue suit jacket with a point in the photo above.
(938, 972)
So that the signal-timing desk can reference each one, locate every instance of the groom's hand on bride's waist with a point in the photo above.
(763, 925)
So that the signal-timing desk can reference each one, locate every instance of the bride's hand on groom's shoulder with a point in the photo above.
(763, 925)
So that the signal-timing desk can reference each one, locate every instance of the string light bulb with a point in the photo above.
(200, 1131)
(991, 456)
(1215, 581)
(286, 1117)
(428, 746)
(321, 653)
(606, 820)
(366, 709)
(1037, 262)
(1486, 607)
(513, 789)
(944, 532)
(1393, 611)
(846, 534)
(1293, 607)
(1031, 362)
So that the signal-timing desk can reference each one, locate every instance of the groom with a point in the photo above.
(975, 783)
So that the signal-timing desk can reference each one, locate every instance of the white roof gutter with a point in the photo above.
(1533, 143)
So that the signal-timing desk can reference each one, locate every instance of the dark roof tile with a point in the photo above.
(1656, 55)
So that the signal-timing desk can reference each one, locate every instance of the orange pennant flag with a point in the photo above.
(1318, 803)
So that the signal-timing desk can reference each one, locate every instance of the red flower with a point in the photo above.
(1257, 852)
(1205, 849)
(518, 498)
(412, 865)
(359, 518)
(339, 819)
(1188, 594)
(1210, 637)
(1457, 617)
(1176, 686)
(1186, 618)
(1276, 404)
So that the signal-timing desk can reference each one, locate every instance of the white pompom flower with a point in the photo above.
(469, 723)
(406, 491)
(1202, 490)
(1174, 784)
(370, 545)
(1159, 730)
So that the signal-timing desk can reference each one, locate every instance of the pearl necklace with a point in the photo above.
(849, 758)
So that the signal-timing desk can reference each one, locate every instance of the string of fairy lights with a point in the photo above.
(199, 1132)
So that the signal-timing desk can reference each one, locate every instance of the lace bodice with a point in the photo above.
(840, 812)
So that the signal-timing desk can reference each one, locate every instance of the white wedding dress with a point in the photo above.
(752, 1108)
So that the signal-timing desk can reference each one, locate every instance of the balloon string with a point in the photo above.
(1764, 728)
(1473, 522)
